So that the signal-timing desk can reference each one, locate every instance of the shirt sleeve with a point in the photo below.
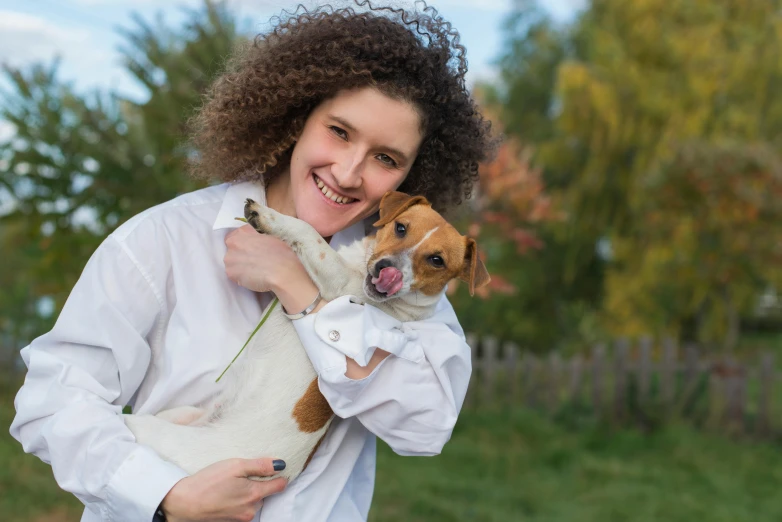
(80, 374)
(412, 399)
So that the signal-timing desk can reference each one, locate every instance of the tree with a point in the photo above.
(78, 166)
(512, 216)
(633, 83)
(713, 219)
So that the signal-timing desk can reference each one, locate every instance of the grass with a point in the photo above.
(515, 466)
(522, 467)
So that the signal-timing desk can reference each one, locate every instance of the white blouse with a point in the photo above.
(153, 320)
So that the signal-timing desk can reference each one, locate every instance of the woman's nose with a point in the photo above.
(348, 173)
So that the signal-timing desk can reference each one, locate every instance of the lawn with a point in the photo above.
(515, 467)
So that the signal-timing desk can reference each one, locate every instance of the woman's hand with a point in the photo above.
(263, 263)
(259, 262)
(222, 492)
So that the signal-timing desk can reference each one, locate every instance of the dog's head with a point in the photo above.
(417, 252)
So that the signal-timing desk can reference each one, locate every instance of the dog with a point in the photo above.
(271, 405)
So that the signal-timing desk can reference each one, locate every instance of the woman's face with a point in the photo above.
(354, 148)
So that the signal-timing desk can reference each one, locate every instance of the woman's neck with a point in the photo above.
(278, 195)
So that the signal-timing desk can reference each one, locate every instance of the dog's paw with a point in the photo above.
(261, 217)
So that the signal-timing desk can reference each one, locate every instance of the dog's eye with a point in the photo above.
(437, 261)
(400, 230)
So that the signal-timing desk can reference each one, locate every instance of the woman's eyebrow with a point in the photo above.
(402, 157)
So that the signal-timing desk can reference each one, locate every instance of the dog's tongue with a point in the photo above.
(389, 281)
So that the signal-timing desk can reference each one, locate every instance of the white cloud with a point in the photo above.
(29, 38)
(86, 55)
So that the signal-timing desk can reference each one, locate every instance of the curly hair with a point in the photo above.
(255, 111)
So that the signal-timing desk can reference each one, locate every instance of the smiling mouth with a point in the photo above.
(330, 194)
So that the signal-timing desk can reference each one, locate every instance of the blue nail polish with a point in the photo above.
(278, 464)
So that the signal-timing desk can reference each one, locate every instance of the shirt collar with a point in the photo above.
(233, 203)
(233, 207)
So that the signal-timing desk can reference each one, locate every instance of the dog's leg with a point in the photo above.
(328, 270)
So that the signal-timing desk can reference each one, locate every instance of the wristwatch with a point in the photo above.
(159, 515)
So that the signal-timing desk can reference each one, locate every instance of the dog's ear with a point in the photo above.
(473, 271)
(394, 203)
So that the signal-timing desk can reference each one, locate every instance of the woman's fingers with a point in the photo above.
(264, 467)
(263, 489)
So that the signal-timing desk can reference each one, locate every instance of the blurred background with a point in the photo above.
(626, 352)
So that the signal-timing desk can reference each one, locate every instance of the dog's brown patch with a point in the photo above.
(323, 255)
(312, 453)
(312, 411)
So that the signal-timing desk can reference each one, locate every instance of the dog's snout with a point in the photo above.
(380, 265)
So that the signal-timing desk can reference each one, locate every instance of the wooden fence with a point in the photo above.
(643, 382)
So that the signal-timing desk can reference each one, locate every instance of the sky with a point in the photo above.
(84, 33)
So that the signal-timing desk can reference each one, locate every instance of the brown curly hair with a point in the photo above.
(255, 111)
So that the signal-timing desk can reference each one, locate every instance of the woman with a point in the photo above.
(317, 119)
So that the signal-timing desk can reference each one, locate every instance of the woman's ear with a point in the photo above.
(394, 203)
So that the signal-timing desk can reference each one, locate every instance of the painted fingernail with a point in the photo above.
(278, 464)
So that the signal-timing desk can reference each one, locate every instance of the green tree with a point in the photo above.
(78, 166)
(633, 82)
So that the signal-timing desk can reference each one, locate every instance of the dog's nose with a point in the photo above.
(380, 265)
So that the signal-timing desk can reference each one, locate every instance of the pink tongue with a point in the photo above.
(389, 281)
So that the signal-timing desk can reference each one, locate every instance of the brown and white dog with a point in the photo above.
(271, 405)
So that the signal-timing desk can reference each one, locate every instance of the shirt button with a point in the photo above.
(334, 335)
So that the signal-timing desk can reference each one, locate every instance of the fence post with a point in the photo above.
(472, 392)
(510, 359)
(598, 370)
(644, 370)
(555, 364)
(668, 373)
(763, 426)
(690, 376)
(620, 378)
(489, 371)
(734, 396)
(716, 396)
(529, 369)
(573, 393)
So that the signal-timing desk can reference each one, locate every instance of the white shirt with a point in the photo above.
(152, 322)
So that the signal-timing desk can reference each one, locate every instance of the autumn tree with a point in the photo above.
(630, 85)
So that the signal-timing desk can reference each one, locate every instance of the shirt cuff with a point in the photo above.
(345, 328)
(139, 486)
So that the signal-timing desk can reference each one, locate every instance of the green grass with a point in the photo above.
(514, 467)
(521, 467)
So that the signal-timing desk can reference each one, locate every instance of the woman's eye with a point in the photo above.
(401, 230)
(387, 160)
(437, 261)
(339, 132)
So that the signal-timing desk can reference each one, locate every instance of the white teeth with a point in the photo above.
(329, 194)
